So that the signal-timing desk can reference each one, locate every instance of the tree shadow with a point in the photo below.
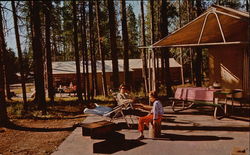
(65, 112)
(123, 125)
(13, 126)
(206, 128)
(175, 137)
(110, 147)
(50, 118)
(170, 120)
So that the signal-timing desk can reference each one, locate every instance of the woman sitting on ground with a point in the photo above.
(154, 116)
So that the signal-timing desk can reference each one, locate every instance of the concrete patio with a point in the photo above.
(191, 132)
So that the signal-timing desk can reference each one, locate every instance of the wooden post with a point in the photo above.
(149, 71)
(181, 60)
(144, 69)
(191, 66)
(153, 70)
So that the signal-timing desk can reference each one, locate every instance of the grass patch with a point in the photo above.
(15, 109)
(19, 90)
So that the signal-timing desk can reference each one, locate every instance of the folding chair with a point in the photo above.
(119, 110)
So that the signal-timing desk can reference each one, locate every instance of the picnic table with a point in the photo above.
(189, 96)
(66, 89)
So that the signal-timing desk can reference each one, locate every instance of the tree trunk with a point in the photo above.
(84, 46)
(38, 56)
(189, 14)
(48, 7)
(198, 71)
(6, 76)
(125, 42)
(152, 42)
(6, 70)
(144, 59)
(94, 63)
(165, 51)
(3, 109)
(91, 48)
(20, 57)
(181, 53)
(104, 83)
(85, 54)
(77, 61)
(112, 29)
(247, 5)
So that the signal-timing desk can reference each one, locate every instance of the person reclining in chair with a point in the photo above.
(123, 96)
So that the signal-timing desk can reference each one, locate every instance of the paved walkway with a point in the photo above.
(185, 133)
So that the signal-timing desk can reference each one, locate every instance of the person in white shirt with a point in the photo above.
(123, 96)
(154, 116)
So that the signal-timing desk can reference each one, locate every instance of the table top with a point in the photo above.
(195, 93)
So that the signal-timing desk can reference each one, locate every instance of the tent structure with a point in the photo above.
(217, 26)
(224, 32)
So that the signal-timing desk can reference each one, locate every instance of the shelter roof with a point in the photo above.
(217, 26)
(69, 67)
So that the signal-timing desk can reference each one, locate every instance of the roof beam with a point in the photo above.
(203, 26)
(205, 44)
(221, 31)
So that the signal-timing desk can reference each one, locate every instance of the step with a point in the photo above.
(97, 129)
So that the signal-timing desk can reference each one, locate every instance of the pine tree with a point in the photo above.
(3, 109)
(20, 57)
(165, 51)
(104, 83)
(125, 42)
(112, 29)
(47, 9)
(35, 8)
(143, 40)
(84, 50)
(77, 60)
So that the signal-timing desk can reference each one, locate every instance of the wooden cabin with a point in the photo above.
(65, 72)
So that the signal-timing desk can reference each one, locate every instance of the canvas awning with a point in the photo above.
(217, 26)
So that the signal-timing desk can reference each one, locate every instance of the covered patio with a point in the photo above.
(224, 33)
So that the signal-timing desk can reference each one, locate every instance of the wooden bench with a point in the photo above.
(97, 129)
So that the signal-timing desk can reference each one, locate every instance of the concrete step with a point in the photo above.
(97, 129)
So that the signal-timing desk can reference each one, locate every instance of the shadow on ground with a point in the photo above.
(109, 147)
(23, 128)
(175, 137)
(191, 127)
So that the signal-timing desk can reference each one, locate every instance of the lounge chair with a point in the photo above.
(111, 113)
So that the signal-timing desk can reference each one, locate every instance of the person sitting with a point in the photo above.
(154, 116)
(133, 107)
(123, 96)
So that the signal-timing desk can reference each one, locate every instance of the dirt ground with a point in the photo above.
(39, 135)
